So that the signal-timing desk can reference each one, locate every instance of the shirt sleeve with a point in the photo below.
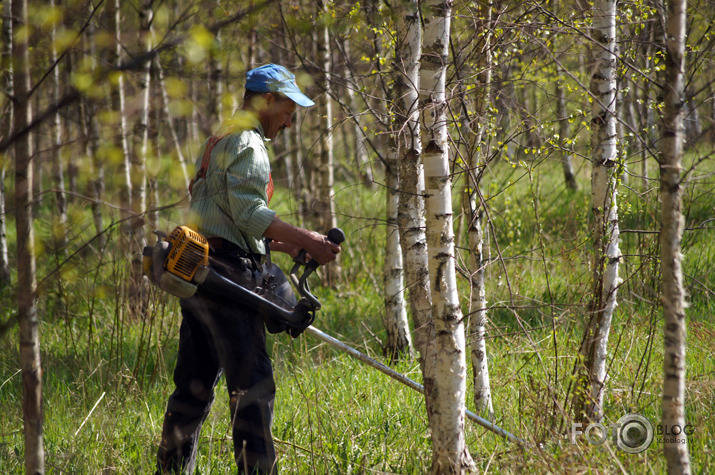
(247, 176)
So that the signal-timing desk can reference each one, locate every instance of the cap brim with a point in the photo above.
(299, 98)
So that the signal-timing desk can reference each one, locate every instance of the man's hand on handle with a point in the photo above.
(292, 239)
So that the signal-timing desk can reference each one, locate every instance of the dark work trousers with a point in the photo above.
(218, 336)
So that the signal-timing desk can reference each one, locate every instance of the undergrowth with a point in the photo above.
(107, 374)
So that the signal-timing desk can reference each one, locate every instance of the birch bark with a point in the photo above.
(91, 132)
(449, 451)
(165, 102)
(565, 136)
(475, 232)
(605, 231)
(117, 99)
(325, 200)
(672, 223)
(138, 171)
(410, 209)
(6, 124)
(59, 231)
(363, 167)
(140, 140)
(216, 82)
(399, 340)
(26, 280)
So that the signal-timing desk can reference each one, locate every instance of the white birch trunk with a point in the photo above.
(140, 140)
(410, 210)
(672, 223)
(26, 282)
(7, 120)
(589, 394)
(138, 173)
(475, 233)
(325, 201)
(399, 340)
(215, 83)
(565, 136)
(96, 183)
(449, 451)
(120, 140)
(171, 124)
(5, 278)
(363, 168)
(59, 231)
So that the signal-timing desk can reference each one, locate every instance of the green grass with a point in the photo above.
(334, 415)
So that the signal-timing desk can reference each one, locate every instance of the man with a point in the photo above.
(229, 206)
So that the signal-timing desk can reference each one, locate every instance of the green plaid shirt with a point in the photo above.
(231, 201)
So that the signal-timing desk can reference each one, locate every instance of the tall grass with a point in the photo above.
(107, 374)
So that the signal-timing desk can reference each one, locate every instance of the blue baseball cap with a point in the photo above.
(276, 78)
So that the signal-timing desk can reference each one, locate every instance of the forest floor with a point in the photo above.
(107, 375)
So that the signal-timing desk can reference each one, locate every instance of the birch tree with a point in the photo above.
(397, 328)
(564, 135)
(672, 223)
(165, 103)
(60, 226)
(449, 451)
(6, 124)
(410, 209)
(26, 281)
(117, 99)
(88, 113)
(362, 165)
(325, 201)
(140, 145)
(605, 233)
(475, 231)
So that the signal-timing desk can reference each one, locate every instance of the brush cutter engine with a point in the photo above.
(179, 265)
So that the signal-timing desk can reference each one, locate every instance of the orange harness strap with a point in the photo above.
(206, 159)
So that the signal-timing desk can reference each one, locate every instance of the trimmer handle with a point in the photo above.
(335, 235)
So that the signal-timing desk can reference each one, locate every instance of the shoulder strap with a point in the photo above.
(205, 160)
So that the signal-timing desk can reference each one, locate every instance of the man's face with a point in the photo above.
(277, 116)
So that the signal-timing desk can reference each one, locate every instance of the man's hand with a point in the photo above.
(322, 249)
(291, 239)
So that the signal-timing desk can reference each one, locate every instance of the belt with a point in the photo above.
(226, 246)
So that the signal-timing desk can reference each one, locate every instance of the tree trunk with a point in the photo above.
(605, 232)
(140, 148)
(216, 82)
(91, 132)
(114, 56)
(325, 200)
(565, 136)
(475, 164)
(363, 168)
(26, 283)
(59, 231)
(672, 222)
(449, 451)
(165, 102)
(251, 40)
(6, 124)
(399, 340)
(140, 140)
(410, 209)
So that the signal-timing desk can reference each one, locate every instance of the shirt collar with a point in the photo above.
(242, 120)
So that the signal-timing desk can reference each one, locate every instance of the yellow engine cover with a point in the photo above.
(189, 251)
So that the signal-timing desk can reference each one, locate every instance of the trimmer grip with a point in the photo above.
(335, 235)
